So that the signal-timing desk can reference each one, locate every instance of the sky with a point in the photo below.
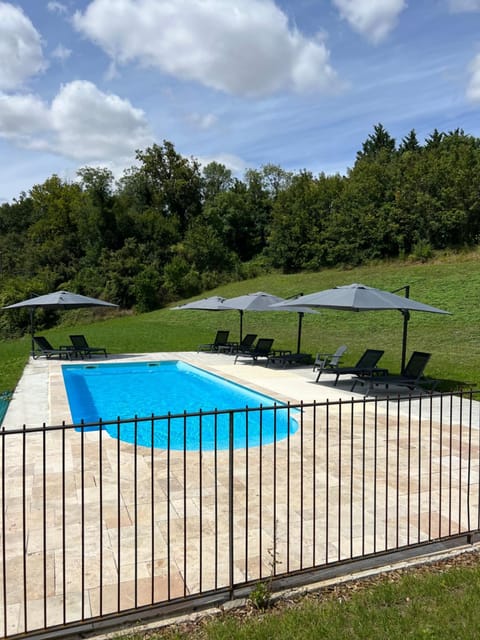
(296, 83)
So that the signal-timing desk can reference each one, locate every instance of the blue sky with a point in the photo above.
(297, 83)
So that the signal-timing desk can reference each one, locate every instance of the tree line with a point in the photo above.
(169, 228)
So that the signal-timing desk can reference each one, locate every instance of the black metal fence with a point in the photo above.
(96, 531)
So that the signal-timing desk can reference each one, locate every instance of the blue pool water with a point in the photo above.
(109, 391)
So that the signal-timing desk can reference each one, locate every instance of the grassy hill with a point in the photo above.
(451, 282)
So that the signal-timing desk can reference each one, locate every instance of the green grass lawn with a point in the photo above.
(452, 283)
(435, 602)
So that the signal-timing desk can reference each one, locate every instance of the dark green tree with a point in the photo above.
(174, 182)
(378, 143)
(216, 178)
(409, 143)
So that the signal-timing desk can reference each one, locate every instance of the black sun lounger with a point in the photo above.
(411, 377)
(83, 349)
(235, 347)
(46, 349)
(263, 349)
(364, 367)
(221, 340)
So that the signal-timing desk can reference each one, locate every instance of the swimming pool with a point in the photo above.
(111, 391)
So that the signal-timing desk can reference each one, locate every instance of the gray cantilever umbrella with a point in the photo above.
(359, 297)
(57, 300)
(262, 301)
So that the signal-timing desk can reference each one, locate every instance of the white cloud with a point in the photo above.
(202, 121)
(473, 89)
(20, 48)
(56, 7)
(21, 116)
(93, 125)
(374, 19)
(82, 124)
(61, 53)
(459, 6)
(236, 164)
(244, 47)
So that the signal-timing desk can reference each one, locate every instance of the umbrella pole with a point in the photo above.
(406, 318)
(299, 337)
(241, 325)
(32, 332)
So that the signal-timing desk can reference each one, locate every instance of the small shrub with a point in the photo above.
(260, 596)
(422, 251)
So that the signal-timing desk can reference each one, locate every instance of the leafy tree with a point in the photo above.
(216, 179)
(232, 217)
(15, 220)
(174, 182)
(55, 244)
(97, 224)
(301, 213)
(364, 227)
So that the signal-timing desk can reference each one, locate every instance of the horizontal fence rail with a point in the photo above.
(95, 527)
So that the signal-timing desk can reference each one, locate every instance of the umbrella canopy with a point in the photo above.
(57, 300)
(261, 301)
(359, 297)
(214, 303)
(61, 300)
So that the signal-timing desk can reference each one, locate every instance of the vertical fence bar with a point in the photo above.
(119, 519)
(44, 512)
(375, 457)
(314, 484)
(231, 523)
(135, 508)
(302, 475)
(477, 460)
(450, 472)
(64, 539)
(24, 532)
(469, 468)
(327, 474)
(288, 499)
(419, 488)
(275, 498)
(152, 506)
(339, 466)
(260, 499)
(100, 514)
(200, 503)
(387, 468)
(352, 418)
(460, 459)
(440, 471)
(215, 472)
(364, 442)
(430, 468)
(169, 538)
(387, 473)
(4, 544)
(397, 479)
(185, 570)
(246, 489)
(409, 467)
